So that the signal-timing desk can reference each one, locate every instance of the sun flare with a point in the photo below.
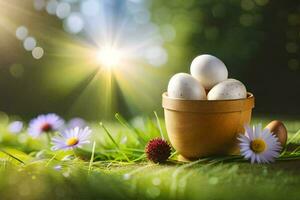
(109, 57)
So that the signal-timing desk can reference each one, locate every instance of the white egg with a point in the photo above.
(228, 89)
(184, 86)
(209, 70)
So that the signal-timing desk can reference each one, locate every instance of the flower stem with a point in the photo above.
(48, 138)
(74, 153)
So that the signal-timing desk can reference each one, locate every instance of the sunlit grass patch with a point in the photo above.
(114, 166)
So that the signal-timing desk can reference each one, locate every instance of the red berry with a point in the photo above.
(158, 150)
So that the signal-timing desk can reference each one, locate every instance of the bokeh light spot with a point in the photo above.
(156, 56)
(213, 181)
(126, 176)
(74, 23)
(37, 52)
(156, 181)
(63, 10)
(21, 32)
(51, 7)
(29, 43)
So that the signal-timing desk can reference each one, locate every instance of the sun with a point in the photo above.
(109, 57)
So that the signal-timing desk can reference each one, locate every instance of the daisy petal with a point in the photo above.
(72, 138)
(267, 153)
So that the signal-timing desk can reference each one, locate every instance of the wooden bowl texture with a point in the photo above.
(200, 128)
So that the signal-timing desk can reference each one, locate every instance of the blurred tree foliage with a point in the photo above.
(257, 39)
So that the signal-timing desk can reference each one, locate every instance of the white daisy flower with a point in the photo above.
(259, 145)
(45, 124)
(72, 138)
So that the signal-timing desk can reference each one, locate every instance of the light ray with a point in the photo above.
(104, 60)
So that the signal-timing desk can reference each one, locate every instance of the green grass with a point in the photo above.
(116, 168)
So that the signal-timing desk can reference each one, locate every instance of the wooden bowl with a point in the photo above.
(200, 128)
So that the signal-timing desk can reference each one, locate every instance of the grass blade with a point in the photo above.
(115, 143)
(12, 156)
(109, 135)
(124, 123)
(50, 160)
(92, 157)
(294, 137)
(159, 125)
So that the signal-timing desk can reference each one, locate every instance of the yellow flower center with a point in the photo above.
(72, 141)
(258, 145)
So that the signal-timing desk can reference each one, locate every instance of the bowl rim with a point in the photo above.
(208, 106)
(165, 95)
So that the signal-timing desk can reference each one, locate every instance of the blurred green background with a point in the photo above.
(258, 40)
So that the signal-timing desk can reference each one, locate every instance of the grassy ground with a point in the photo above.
(29, 170)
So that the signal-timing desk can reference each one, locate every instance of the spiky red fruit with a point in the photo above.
(158, 150)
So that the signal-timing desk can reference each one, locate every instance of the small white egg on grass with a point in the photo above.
(228, 89)
(184, 86)
(209, 70)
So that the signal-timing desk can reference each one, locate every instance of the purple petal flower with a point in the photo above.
(44, 124)
(71, 138)
(15, 127)
(76, 122)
